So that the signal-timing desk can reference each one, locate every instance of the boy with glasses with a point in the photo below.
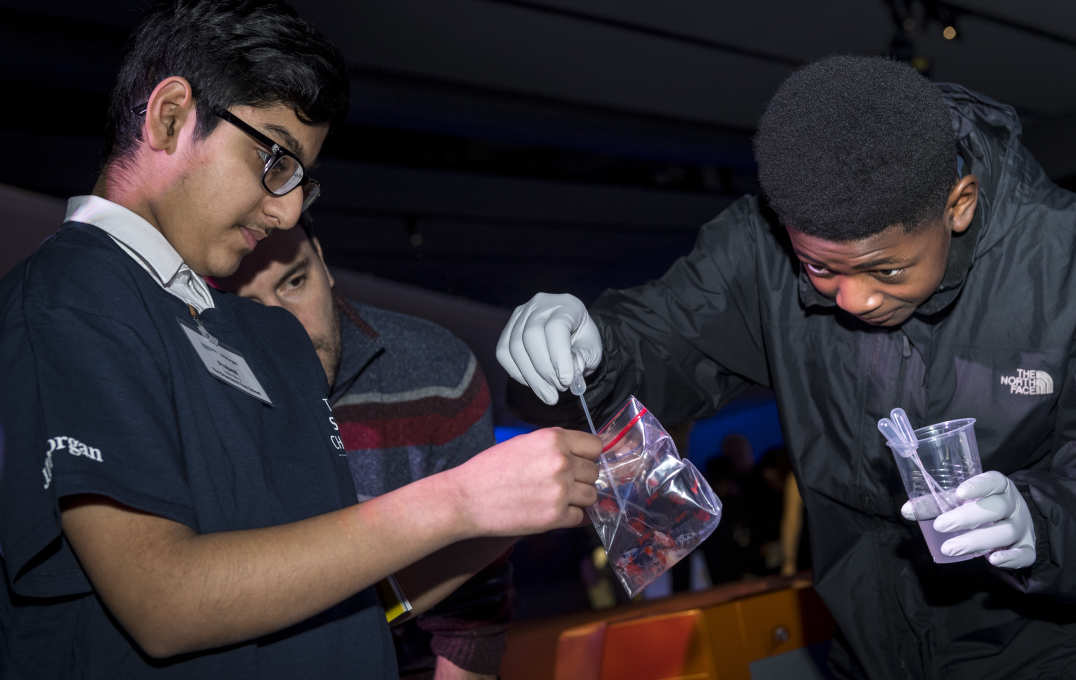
(175, 498)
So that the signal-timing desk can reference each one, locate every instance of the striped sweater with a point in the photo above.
(411, 400)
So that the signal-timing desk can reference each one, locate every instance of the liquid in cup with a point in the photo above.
(949, 453)
(935, 538)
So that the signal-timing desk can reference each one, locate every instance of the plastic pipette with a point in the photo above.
(901, 437)
(578, 387)
(900, 419)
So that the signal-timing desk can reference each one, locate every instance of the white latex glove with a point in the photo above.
(998, 520)
(538, 343)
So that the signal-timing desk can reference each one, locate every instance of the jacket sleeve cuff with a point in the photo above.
(1042, 529)
(1042, 570)
(475, 651)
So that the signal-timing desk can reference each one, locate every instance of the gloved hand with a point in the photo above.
(998, 520)
(546, 340)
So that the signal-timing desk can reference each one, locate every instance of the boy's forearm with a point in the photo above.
(177, 591)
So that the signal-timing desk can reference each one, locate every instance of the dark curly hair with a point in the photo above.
(250, 52)
(850, 146)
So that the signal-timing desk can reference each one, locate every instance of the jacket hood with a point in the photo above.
(988, 142)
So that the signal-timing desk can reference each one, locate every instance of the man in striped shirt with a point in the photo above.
(410, 401)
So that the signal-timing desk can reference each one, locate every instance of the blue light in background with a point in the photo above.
(501, 433)
(754, 418)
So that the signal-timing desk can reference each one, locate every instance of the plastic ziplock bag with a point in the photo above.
(653, 507)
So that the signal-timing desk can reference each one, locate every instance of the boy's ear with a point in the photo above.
(960, 208)
(170, 107)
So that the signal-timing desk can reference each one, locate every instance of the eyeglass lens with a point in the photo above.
(283, 174)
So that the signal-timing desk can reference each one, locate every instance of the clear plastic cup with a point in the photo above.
(949, 454)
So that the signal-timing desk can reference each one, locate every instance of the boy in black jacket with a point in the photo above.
(912, 254)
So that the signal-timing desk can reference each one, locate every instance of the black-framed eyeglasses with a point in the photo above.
(282, 171)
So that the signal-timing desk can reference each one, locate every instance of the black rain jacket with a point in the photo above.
(995, 342)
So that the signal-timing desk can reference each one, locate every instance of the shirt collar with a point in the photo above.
(145, 245)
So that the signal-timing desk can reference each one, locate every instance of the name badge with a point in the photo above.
(224, 364)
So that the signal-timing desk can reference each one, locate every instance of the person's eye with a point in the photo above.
(889, 275)
(295, 282)
(263, 155)
(278, 170)
(815, 269)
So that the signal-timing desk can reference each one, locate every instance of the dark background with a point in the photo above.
(495, 148)
(499, 147)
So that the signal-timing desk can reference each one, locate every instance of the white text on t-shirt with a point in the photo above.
(74, 447)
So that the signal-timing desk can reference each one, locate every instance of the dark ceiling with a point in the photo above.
(499, 147)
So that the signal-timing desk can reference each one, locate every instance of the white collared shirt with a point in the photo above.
(146, 246)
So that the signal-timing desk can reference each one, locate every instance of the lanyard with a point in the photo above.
(201, 328)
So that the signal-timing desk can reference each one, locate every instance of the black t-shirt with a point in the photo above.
(105, 394)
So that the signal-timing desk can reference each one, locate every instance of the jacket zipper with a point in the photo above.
(905, 355)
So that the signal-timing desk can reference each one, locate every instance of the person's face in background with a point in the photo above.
(287, 270)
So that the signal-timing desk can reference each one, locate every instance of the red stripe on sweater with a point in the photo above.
(432, 420)
(446, 407)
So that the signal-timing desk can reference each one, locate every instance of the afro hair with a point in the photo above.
(850, 146)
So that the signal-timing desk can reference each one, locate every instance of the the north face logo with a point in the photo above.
(1029, 381)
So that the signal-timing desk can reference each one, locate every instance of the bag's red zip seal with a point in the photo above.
(624, 430)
